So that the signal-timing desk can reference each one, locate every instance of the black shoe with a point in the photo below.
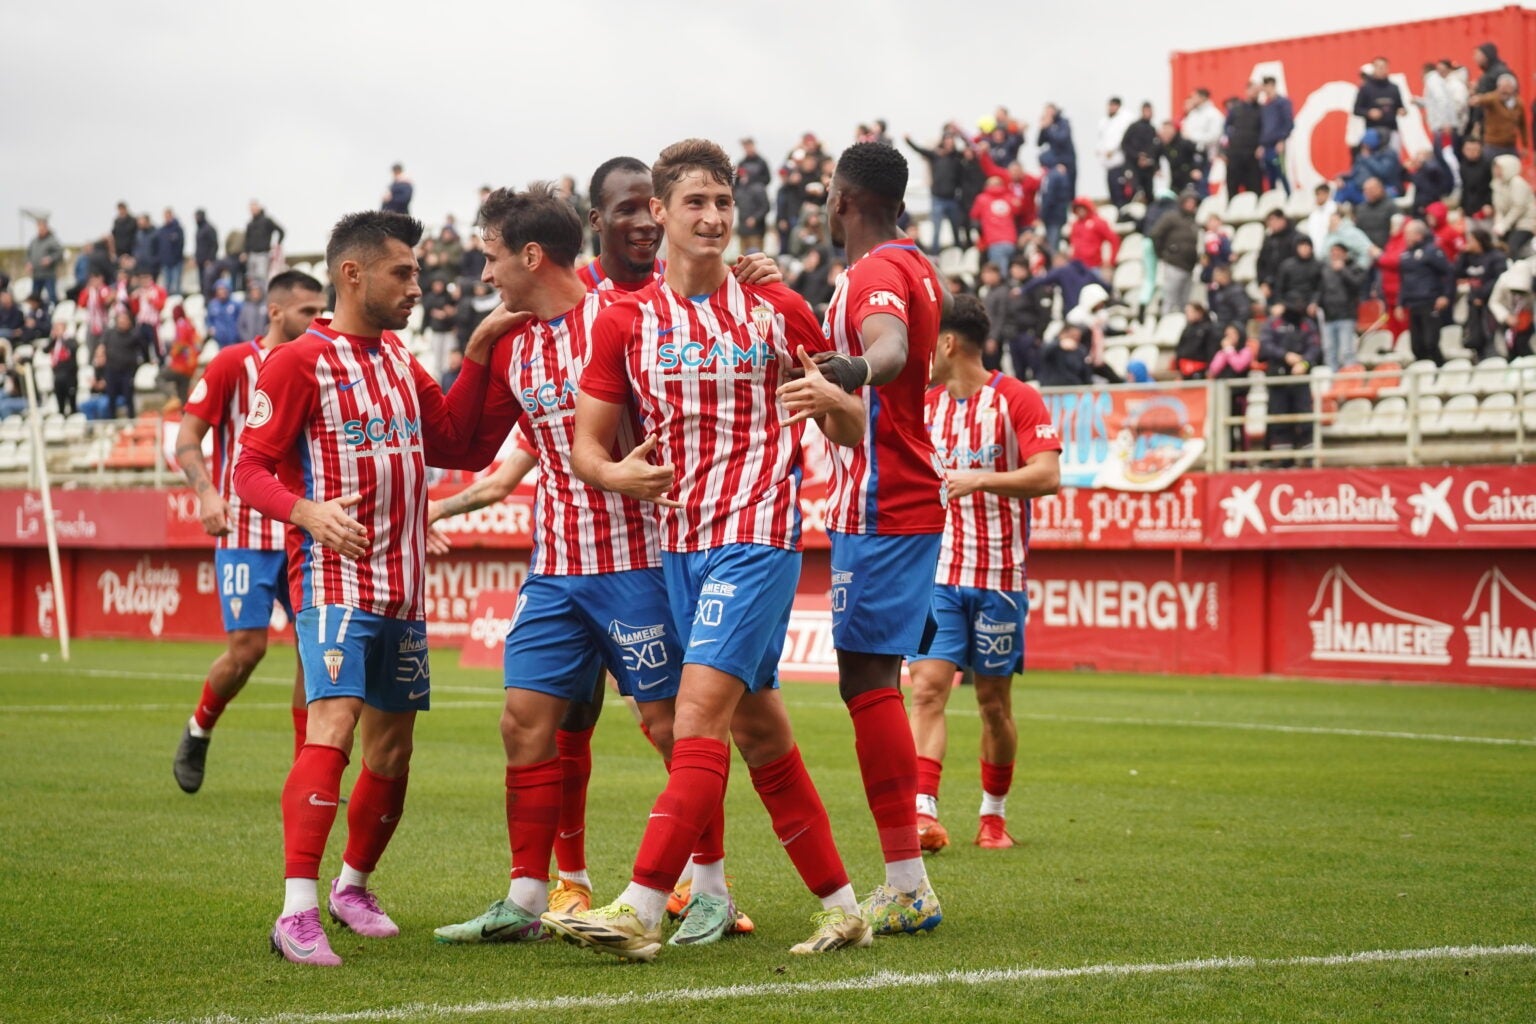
(191, 753)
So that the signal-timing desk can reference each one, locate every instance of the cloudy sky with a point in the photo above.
(305, 105)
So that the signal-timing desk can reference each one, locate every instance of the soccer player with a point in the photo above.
(248, 560)
(999, 449)
(621, 217)
(595, 593)
(885, 513)
(696, 357)
(353, 420)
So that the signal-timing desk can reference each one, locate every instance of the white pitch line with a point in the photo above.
(867, 982)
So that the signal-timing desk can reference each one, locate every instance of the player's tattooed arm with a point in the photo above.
(487, 491)
(211, 509)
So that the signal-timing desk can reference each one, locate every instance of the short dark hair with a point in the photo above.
(540, 215)
(1267, 80)
(607, 167)
(690, 155)
(967, 318)
(366, 234)
(293, 280)
(876, 170)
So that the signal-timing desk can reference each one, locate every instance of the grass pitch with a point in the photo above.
(1192, 850)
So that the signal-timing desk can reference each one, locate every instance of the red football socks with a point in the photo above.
(575, 754)
(928, 771)
(800, 822)
(209, 707)
(300, 728)
(310, 798)
(373, 812)
(695, 789)
(533, 814)
(711, 845)
(888, 763)
(996, 779)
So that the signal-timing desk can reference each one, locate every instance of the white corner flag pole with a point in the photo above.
(40, 462)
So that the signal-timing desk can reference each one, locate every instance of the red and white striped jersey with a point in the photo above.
(889, 482)
(597, 280)
(578, 530)
(702, 373)
(344, 415)
(222, 399)
(986, 537)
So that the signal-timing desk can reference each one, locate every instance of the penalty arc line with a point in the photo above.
(867, 982)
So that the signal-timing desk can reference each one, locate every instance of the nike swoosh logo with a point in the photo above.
(649, 686)
(701, 643)
(665, 331)
(206, 711)
(349, 385)
(995, 664)
(302, 952)
(528, 365)
(388, 819)
(486, 931)
(314, 798)
(572, 835)
(797, 835)
(661, 815)
(417, 696)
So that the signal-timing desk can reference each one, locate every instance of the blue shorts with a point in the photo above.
(566, 628)
(882, 586)
(351, 653)
(732, 605)
(249, 582)
(980, 630)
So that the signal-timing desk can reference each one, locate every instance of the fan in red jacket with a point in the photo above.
(996, 212)
(1088, 235)
(1021, 183)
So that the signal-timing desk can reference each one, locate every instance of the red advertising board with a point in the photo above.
(1470, 616)
(1321, 75)
(489, 624)
(1461, 507)
(1144, 612)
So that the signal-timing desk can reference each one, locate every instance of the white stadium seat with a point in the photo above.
(1216, 204)
(1454, 378)
(1248, 238)
(1491, 376)
(1242, 208)
(1389, 417)
(1353, 419)
(1168, 329)
(1429, 415)
(1459, 416)
(1497, 415)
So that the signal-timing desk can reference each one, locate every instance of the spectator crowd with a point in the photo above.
(1390, 244)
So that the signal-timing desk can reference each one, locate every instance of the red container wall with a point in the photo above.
(1321, 73)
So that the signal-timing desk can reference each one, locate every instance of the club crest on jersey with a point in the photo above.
(332, 658)
(882, 299)
(721, 354)
(235, 604)
(261, 411)
(762, 319)
(548, 397)
(198, 393)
